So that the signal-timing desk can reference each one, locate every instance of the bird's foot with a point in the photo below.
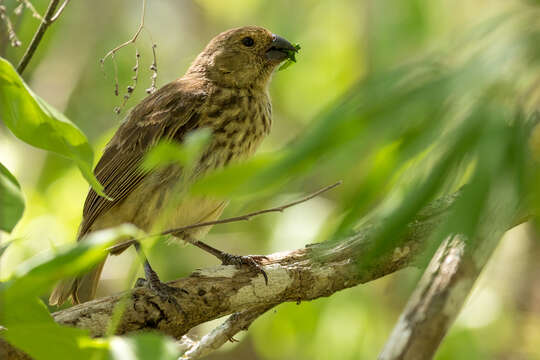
(166, 292)
(253, 262)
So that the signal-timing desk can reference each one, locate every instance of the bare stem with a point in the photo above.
(32, 9)
(12, 36)
(38, 36)
(225, 332)
(130, 41)
(231, 219)
(153, 69)
(60, 10)
(113, 52)
(250, 215)
(130, 88)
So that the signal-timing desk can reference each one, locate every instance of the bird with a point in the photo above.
(224, 90)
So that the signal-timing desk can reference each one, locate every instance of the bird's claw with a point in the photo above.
(165, 292)
(253, 262)
(232, 339)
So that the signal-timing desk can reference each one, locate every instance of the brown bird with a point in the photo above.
(225, 90)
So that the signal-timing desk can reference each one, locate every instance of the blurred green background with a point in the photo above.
(342, 42)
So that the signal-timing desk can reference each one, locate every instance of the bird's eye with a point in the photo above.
(247, 41)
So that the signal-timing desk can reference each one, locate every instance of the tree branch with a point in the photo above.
(223, 333)
(246, 217)
(315, 271)
(45, 23)
(309, 273)
(319, 270)
(131, 40)
(444, 288)
(434, 305)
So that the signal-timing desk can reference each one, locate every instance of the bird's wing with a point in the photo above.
(169, 113)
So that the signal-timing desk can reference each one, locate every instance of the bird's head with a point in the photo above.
(242, 57)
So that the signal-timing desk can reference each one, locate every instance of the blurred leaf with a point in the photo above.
(30, 327)
(228, 181)
(166, 153)
(143, 347)
(376, 111)
(459, 144)
(34, 121)
(11, 200)
(371, 188)
(29, 324)
(3, 248)
(39, 273)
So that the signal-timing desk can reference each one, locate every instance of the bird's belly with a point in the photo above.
(155, 207)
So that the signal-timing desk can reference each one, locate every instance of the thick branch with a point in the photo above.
(434, 304)
(444, 288)
(304, 274)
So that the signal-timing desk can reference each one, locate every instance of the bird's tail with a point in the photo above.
(80, 289)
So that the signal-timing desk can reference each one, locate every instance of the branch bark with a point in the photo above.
(318, 270)
(223, 333)
(444, 287)
(298, 275)
(309, 273)
(434, 305)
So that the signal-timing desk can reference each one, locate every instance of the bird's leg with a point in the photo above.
(254, 262)
(152, 280)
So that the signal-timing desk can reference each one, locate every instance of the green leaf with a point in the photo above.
(11, 200)
(39, 273)
(37, 123)
(6, 244)
(230, 181)
(143, 347)
(166, 153)
(291, 58)
(30, 327)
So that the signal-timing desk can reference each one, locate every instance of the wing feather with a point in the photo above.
(169, 113)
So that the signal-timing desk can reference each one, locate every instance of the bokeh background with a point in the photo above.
(341, 41)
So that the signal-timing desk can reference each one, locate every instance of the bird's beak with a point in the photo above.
(279, 49)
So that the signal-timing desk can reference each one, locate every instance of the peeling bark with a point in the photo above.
(223, 333)
(446, 283)
(434, 304)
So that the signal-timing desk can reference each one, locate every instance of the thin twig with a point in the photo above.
(112, 53)
(216, 338)
(250, 215)
(229, 220)
(130, 88)
(12, 36)
(38, 36)
(59, 12)
(130, 41)
(153, 69)
(32, 9)
(19, 9)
